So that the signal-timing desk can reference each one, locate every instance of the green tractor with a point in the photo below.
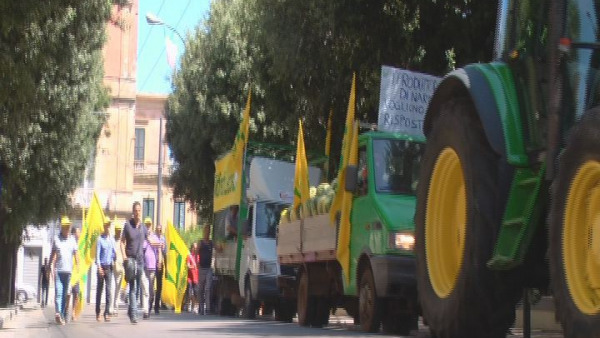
(509, 193)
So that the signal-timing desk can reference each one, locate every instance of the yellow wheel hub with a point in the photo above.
(445, 223)
(581, 238)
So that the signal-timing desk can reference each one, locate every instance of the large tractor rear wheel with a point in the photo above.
(459, 210)
(575, 231)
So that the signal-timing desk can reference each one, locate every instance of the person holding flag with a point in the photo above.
(64, 250)
(92, 227)
(132, 241)
(105, 259)
(75, 295)
(176, 270)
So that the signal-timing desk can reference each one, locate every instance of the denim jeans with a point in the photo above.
(115, 288)
(151, 277)
(61, 290)
(45, 286)
(144, 292)
(157, 295)
(104, 282)
(134, 287)
(204, 286)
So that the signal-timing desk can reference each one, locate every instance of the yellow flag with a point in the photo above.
(228, 169)
(328, 136)
(336, 204)
(175, 276)
(328, 144)
(301, 182)
(227, 182)
(343, 248)
(91, 228)
(78, 307)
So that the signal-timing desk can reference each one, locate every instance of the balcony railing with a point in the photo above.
(151, 168)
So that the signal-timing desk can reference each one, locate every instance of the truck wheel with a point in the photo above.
(400, 325)
(369, 305)
(575, 231)
(323, 308)
(306, 303)
(285, 311)
(249, 310)
(225, 307)
(460, 200)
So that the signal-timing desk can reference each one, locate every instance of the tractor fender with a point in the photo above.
(491, 89)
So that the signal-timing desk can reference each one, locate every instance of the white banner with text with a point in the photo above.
(403, 100)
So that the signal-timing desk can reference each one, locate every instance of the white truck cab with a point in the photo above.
(269, 189)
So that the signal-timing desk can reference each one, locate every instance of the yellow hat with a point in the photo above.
(119, 225)
(147, 220)
(107, 220)
(65, 221)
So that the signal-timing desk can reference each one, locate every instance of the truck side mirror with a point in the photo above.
(351, 177)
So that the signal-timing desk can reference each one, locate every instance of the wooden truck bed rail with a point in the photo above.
(311, 239)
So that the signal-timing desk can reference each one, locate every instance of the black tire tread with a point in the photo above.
(373, 325)
(483, 301)
(583, 144)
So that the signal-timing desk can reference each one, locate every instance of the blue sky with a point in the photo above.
(153, 71)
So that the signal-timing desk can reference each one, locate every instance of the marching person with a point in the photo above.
(105, 259)
(192, 264)
(204, 271)
(132, 241)
(160, 268)
(74, 295)
(45, 275)
(151, 247)
(64, 249)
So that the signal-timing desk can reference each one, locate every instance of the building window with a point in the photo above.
(148, 209)
(140, 141)
(179, 215)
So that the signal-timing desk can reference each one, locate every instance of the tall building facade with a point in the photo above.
(125, 167)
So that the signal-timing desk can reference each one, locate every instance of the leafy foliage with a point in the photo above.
(51, 69)
(298, 58)
(192, 235)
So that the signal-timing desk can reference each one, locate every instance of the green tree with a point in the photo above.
(51, 67)
(298, 57)
(210, 93)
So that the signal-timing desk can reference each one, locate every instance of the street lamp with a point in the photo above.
(152, 19)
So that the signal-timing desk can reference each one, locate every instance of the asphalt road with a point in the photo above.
(36, 322)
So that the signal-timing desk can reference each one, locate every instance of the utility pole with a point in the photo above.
(160, 172)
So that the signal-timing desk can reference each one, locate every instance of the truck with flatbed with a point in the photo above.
(380, 285)
(245, 260)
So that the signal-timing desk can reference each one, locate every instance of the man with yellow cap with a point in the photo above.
(64, 249)
(117, 272)
(105, 259)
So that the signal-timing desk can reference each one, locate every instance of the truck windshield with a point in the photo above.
(396, 164)
(267, 218)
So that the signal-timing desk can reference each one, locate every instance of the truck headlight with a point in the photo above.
(402, 240)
